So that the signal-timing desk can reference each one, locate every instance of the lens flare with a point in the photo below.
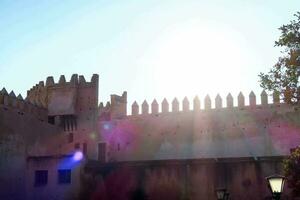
(92, 135)
(78, 155)
(106, 126)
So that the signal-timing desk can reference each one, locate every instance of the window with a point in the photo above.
(64, 176)
(41, 177)
(77, 146)
(84, 148)
(51, 120)
(70, 137)
(102, 152)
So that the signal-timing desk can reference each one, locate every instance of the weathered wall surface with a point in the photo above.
(53, 190)
(251, 131)
(217, 133)
(181, 179)
(20, 132)
(73, 105)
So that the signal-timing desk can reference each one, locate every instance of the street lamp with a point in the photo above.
(276, 184)
(222, 194)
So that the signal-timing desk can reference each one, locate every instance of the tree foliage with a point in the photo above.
(291, 167)
(283, 76)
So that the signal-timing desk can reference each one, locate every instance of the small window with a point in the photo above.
(84, 148)
(41, 177)
(70, 137)
(102, 152)
(51, 120)
(64, 176)
(77, 146)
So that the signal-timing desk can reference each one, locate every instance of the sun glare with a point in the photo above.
(197, 58)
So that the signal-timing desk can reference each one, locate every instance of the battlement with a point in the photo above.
(116, 108)
(38, 93)
(23, 106)
(74, 81)
(218, 104)
(62, 97)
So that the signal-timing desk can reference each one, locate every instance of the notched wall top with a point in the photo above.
(61, 98)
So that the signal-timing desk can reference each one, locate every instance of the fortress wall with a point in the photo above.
(63, 96)
(38, 94)
(244, 179)
(18, 104)
(72, 104)
(215, 133)
(53, 189)
(217, 103)
(116, 108)
(76, 101)
(87, 104)
(21, 133)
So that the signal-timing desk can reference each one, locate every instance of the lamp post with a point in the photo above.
(276, 184)
(222, 194)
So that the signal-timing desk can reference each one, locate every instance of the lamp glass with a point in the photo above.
(221, 193)
(276, 184)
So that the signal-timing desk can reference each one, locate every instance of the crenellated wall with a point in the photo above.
(24, 130)
(65, 98)
(11, 101)
(211, 129)
(73, 104)
(242, 131)
(115, 109)
(218, 104)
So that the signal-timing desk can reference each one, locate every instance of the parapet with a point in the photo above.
(115, 109)
(218, 104)
(45, 94)
(74, 81)
(11, 101)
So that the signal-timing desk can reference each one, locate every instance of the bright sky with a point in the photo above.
(150, 48)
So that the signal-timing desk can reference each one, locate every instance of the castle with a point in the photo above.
(185, 153)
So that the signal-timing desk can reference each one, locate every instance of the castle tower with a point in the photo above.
(118, 106)
(71, 104)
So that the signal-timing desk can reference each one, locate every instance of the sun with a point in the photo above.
(196, 58)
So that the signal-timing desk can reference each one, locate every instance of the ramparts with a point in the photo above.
(218, 104)
(119, 104)
(11, 101)
(39, 93)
